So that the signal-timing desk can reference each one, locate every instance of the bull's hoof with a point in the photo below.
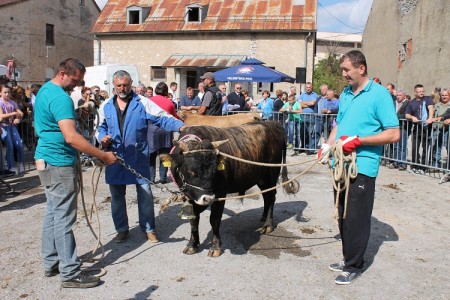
(190, 250)
(214, 252)
(266, 229)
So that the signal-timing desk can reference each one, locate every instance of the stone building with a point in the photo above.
(178, 40)
(406, 42)
(40, 34)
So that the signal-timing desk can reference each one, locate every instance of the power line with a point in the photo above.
(324, 8)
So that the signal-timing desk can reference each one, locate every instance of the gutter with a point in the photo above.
(99, 50)
(306, 50)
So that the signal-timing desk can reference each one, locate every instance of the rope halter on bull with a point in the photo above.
(291, 186)
(343, 169)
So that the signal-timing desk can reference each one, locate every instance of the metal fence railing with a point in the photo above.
(423, 148)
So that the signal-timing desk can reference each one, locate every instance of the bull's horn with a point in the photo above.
(216, 144)
(181, 145)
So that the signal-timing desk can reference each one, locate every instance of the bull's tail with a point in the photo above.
(293, 186)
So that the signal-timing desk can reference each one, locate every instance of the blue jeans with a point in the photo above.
(145, 207)
(440, 138)
(58, 241)
(312, 136)
(12, 141)
(294, 130)
(401, 149)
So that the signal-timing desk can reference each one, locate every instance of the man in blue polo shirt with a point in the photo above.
(366, 121)
(310, 137)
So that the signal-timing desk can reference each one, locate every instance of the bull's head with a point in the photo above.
(194, 166)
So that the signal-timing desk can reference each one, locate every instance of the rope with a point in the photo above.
(262, 164)
(278, 185)
(218, 152)
(344, 170)
(89, 218)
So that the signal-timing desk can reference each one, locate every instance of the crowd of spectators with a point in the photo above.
(308, 118)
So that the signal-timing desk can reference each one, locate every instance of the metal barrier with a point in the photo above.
(423, 148)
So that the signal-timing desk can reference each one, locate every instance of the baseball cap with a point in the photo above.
(209, 75)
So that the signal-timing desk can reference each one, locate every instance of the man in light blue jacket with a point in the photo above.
(124, 120)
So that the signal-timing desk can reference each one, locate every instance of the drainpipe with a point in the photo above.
(306, 52)
(99, 50)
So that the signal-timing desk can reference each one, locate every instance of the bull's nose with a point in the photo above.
(205, 200)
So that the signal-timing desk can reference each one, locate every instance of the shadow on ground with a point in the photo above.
(240, 232)
(380, 232)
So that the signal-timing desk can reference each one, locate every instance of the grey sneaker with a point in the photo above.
(337, 267)
(347, 277)
(83, 280)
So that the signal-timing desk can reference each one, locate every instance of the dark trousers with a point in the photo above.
(355, 228)
(420, 137)
(162, 170)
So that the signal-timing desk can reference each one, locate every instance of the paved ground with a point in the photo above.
(408, 255)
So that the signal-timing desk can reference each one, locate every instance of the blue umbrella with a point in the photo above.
(252, 70)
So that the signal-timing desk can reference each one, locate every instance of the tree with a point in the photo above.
(328, 71)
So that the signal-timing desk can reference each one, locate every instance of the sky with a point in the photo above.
(349, 16)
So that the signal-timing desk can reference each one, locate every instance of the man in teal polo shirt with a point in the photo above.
(56, 155)
(366, 121)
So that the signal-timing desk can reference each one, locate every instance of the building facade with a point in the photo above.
(406, 42)
(40, 34)
(333, 43)
(179, 40)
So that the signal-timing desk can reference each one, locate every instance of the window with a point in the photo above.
(82, 3)
(195, 13)
(137, 14)
(49, 34)
(134, 17)
(158, 73)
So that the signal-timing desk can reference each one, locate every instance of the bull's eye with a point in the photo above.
(192, 173)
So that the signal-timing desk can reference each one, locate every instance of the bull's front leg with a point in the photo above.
(194, 241)
(267, 217)
(215, 220)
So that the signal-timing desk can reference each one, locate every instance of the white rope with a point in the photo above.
(344, 170)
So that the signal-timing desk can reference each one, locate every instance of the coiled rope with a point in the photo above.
(344, 169)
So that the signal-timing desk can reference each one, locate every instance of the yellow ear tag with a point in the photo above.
(167, 164)
(221, 166)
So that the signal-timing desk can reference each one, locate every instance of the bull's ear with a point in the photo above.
(216, 144)
(166, 159)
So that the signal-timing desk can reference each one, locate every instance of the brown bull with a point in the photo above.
(220, 121)
(203, 175)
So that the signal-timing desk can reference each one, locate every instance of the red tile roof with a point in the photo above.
(204, 60)
(223, 15)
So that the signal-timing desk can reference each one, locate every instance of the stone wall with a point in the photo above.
(407, 44)
(23, 35)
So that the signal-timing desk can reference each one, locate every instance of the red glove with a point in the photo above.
(350, 143)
